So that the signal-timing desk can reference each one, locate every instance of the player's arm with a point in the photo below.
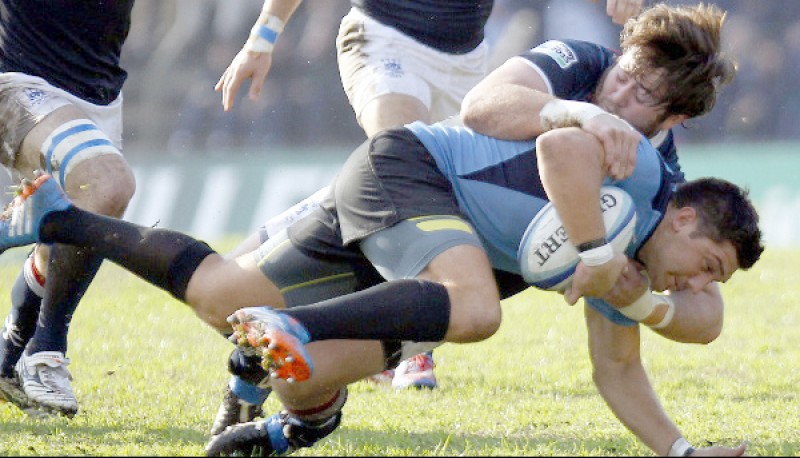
(697, 317)
(572, 170)
(622, 10)
(622, 381)
(683, 316)
(255, 59)
(501, 104)
(513, 103)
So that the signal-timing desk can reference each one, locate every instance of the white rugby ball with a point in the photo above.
(546, 257)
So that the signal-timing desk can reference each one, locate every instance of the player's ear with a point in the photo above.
(672, 121)
(683, 217)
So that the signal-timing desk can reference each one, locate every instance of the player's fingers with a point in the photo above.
(611, 9)
(221, 82)
(230, 91)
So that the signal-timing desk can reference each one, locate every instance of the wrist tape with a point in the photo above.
(597, 256)
(681, 447)
(567, 113)
(264, 36)
(645, 305)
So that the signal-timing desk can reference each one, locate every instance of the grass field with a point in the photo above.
(149, 375)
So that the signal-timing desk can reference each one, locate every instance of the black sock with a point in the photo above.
(165, 258)
(69, 272)
(25, 306)
(415, 310)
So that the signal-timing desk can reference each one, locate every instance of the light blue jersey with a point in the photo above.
(497, 185)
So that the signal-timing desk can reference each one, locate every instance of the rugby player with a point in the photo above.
(60, 96)
(645, 87)
(399, 61)
(434, 209)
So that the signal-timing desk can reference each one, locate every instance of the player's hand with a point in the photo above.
(622, 10)
(721, 451)
(246, 65)
(595, 281)
(620, 142)
(630, 285)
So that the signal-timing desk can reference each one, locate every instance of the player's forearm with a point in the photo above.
(571, 169)
(282, 9)
(507, 111)
(628, 393)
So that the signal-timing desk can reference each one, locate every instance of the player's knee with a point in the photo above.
(112, 193)
(480, 322)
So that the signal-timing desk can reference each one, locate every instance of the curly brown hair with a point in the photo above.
(684, 41)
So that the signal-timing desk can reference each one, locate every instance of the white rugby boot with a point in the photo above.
(46, 381)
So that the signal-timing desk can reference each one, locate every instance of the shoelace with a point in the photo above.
(48, 377)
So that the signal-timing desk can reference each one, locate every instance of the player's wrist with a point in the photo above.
(567, 113)
(264, 35)
(681, 447)
(643, 307)
(595, 252)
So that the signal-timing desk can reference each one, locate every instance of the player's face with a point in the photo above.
(688, 259)
(635, 101)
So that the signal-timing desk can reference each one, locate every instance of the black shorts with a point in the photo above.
(387, 179)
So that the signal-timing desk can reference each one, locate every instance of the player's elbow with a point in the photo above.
(559, 149)
(473, 117)
(708, 334)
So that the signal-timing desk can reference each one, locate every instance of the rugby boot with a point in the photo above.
(416, 372)
(22, 218)
(47, 382)
(234, 410)
(280, 434)
(277, 338)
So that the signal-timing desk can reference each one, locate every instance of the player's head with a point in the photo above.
(671, 68)
(709, 231)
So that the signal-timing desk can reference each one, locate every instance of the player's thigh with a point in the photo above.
(221, 286)
(466, 272)
(391, 110)
(443, 249)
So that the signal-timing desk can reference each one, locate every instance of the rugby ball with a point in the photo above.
(546, 257)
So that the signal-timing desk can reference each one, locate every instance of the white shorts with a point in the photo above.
(375, 59)
(37, 98)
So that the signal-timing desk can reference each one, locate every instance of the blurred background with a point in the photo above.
(210, 172)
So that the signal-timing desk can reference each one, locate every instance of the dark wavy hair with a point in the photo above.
(726, 213)
(684, 41)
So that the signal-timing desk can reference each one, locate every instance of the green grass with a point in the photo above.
(149, 375)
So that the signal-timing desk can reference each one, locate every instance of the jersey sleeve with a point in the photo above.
(571, 68)
(669, 153)
(613, 315)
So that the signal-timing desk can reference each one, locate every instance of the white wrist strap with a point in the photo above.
(645, 305)
(264, 36)
(597, 256)
(567, 113)
(681, 447)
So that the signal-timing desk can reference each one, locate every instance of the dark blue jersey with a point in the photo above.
(452, 26)
(73, 44)
(573, 70)
(497, 186)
